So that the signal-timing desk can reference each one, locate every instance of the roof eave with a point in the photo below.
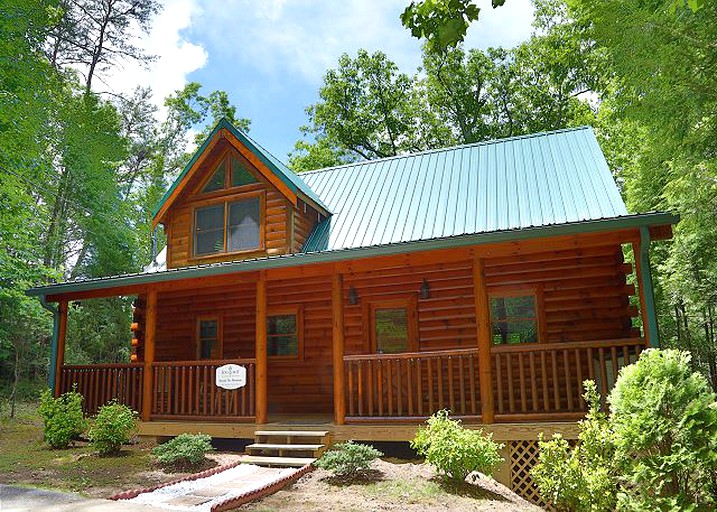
(589, 226)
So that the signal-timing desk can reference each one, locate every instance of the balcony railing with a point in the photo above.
(187, 390)
(412, 385)
(100, 383)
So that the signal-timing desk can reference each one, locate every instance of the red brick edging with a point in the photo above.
(232, 502)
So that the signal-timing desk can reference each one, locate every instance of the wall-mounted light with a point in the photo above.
(353, 296)
(425, 290)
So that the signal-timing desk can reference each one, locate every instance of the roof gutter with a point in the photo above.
(633, 221)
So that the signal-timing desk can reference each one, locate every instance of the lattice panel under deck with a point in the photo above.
(523, 457)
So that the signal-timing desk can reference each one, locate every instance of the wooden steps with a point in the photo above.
(286, 448)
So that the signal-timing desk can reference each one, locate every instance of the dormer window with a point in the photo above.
(230, 172)
(228, 227)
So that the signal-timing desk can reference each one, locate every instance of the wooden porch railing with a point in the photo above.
(412, 385)
(186, 390)
(545, 381)
(100, 383)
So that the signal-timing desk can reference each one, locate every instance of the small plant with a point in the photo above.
(62, 417)
(456, 451)
(580, 478)
(114, 425)
(184, 451)
(348, 459)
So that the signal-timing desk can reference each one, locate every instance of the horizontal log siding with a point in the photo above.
(584, 291)
(446, 319)
(303, 385)
(177, 314)
(305, 218)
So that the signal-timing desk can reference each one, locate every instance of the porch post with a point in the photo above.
(485, 365)
(150, 328)
(641, 253)
(337, 312)
(60, 354)
(260, 350)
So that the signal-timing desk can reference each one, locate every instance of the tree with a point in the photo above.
(442, 23)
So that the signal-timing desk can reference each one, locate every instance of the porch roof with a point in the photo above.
(157, 275)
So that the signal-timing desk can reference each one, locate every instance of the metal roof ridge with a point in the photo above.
(449, 148)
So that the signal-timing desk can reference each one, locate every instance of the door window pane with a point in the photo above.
(243, 230)
(209, 339)
(391, 330)
(209, 230)
(514, 319)
(282, 335)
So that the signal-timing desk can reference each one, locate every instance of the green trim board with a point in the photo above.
(593, 226)
(647, 290)
(286, 175)
(51, 379)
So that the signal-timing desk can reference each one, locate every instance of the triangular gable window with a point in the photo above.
(240, 174)
(216, 182)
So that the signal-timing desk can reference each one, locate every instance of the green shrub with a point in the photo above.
(456, 451)
(114, 425)
(656, 451)
(348, 459)
(184, 451)
(581, 478)
(664, 419)
(62, 417)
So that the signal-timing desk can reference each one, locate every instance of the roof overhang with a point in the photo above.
(290, 185)
(658, 222)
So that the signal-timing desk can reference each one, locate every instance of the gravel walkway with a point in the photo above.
(202, 494)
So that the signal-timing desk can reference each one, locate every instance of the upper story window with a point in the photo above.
(228, 227)
(514, 319)
(230, 172)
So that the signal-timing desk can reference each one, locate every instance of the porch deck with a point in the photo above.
(526, 383)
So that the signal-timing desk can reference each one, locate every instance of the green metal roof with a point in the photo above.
(533, 186)
(533, 180)
(223, 268)
(286, 175)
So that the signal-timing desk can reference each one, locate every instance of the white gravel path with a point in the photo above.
(201, 494)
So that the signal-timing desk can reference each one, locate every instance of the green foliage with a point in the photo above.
(62, 417)
(664, 422)
(456, 451)
(656, 451)
(348, 459)
(114, 425)
(184, 451)
(580, 478)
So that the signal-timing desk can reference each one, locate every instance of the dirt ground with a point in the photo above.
(394, 485)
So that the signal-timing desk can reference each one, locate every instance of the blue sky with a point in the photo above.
(270, 55)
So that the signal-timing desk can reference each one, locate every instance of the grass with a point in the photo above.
(26, 459)
(412, 490)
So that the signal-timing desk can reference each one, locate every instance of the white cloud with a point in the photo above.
(176, 56)
(302, 38)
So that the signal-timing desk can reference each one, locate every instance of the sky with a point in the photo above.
(270, 56)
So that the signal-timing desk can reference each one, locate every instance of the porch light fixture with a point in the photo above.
(425, 290)
(353, 296)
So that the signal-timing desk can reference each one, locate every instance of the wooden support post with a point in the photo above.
(485, 360)
(61, 335)
(337, 313)
(260, 350)
(150, 329)
(640, 252)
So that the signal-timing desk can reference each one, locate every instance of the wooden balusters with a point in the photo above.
(100, 383)
(412, 385)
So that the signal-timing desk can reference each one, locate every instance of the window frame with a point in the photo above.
(226, 201)
(410, 304)
(505, 292)
(297, 311)
(198, 319)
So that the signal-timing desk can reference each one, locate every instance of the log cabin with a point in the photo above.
(490, 279)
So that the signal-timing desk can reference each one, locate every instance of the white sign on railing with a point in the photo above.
(230, 376)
